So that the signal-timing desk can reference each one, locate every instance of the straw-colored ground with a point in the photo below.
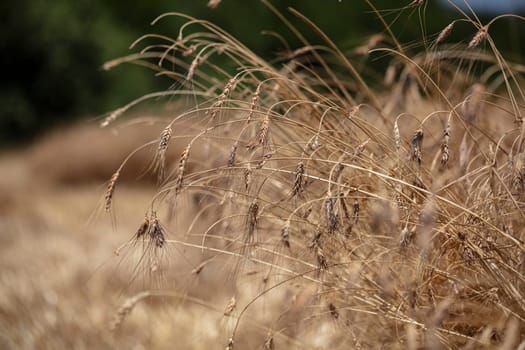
(61, 284)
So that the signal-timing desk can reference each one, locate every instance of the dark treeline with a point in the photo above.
(52, 51)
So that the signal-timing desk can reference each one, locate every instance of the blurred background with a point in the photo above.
(60, 281)
(52, 52)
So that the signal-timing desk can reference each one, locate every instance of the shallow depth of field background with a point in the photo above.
(52, 53)
(61, 284)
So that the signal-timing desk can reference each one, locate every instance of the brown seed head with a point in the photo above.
(397, 135)
(268, 342)
(262, 136)
(285, 234)
(229, 346)
(156, 232)
(359, 149)
(230, 307)
(110, 118)
(298, 184)
(110, 190)
(407, 236)
(321, 259)
(338, 170)
(253, 105)
(247, 177)
(333, 310)
(233, 155)
(160, 158)
(253, 211)
(314, 143)
(445, 149)
(331, 218)
(518, 174)
(307, 212)
(222, 97)
(143, 229)
(199, 268)
(416, 143)
(355, 212)
(445, 33)
(193, 66)
(213, 3)
(126, 309)
(164, 139)
(480, 36)
(182, 166)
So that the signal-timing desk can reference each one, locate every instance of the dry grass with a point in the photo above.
(322, 212)
(63, 287)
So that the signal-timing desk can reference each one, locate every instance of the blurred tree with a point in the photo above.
(52, 51)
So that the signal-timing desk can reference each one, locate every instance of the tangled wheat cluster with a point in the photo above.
(343, 214)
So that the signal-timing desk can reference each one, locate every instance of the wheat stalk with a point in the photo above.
(110, 190)
(445, 33)
(480, 37)
(126, 308)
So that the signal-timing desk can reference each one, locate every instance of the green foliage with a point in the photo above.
(52, 52)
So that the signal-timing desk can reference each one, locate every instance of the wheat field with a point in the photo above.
(304, 203)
